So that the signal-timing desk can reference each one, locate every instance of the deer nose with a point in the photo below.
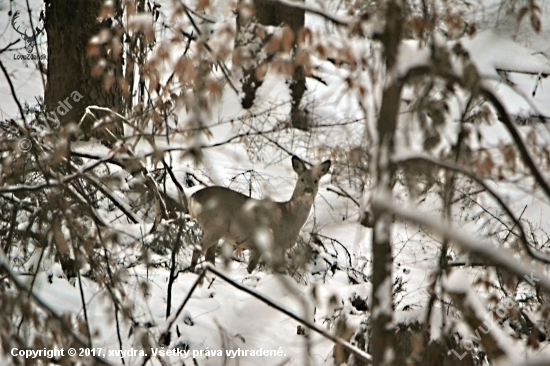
(308, 190)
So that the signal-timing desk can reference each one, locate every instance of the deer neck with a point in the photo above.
(299, 207)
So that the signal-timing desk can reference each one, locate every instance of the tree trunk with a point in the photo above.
(274, 14)
(70, 86)
(382, 339)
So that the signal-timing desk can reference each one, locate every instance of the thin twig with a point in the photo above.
(172, 276)
(500, 257)
(109, 288)
(181, 193)
(12, 90)
(8, 46)
(491, 192)
(343, 193)
(84, 308)
(52, 314)
(361, 355)
(173, 318)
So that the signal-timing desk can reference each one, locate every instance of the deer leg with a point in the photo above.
(194, 259)
(210, 254)
(253, 260)
(209, 243)
(278, 260)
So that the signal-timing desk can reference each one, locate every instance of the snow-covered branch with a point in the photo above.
(500, 257)
(314, 10)
(407, 159)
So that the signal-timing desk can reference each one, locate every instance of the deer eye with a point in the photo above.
(315, 181)
(302, 179)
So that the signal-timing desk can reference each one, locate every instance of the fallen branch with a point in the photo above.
(360, 355)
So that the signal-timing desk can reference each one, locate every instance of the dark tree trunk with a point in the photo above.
(274, 14)
(70, 86)
(382, 340)
(298, 116)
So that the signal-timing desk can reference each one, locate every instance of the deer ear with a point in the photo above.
(298, 165)
(325, 166)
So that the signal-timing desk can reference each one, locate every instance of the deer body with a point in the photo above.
(257, 225)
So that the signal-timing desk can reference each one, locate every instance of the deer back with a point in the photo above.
(251, 223)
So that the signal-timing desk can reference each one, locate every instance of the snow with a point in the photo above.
(491, 52)
(141, 23)
(501, 257)
(456, 282)
(220, 317)
(456, 285)
(411, 55)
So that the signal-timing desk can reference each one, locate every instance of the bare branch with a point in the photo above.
(118, 202)
(66, 327)
(474, 313)
(221, 64)
(361, 355)
(491, 192)
(53, 183)
(12, 90)
(501, 110)
(2, 50)
(505, 118)
(500, 257)
(365, 357)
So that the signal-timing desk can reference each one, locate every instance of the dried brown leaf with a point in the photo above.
(261, 71)
(94, 49)
(130, 7)
(203, 4)
(305, 37)
(509, 154)
(108, 80)
(125, 87)
(214, 88)
(302, 58)
(273, 46)
(116, 47)
(485, 168)
(355, 155)
(472, 30)
(60, 242)
(246, 11)
(321, 51)
(287, 41)
(416, 25)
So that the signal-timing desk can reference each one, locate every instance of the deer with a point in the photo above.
(261, 226)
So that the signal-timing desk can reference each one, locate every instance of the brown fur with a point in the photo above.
(257, 225)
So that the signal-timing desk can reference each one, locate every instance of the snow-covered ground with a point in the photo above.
(219, 320)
